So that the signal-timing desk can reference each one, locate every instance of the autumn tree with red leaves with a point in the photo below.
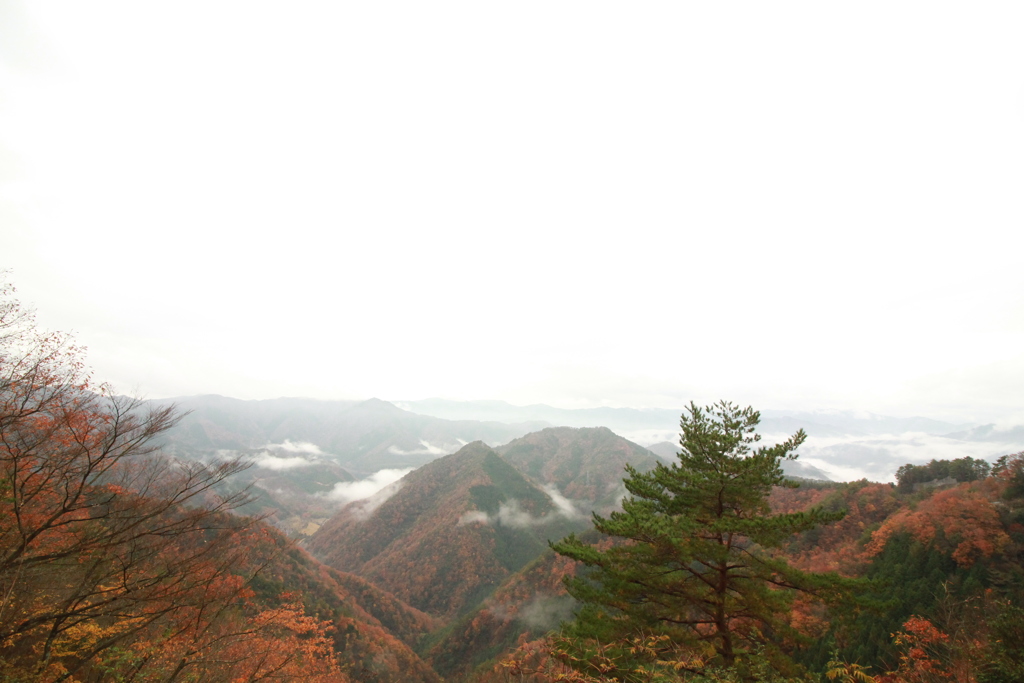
(114, 559)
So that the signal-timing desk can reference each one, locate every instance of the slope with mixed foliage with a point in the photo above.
(117, 563)
(301, 450)
(949, 556)
(586, 465)
(945, 601)
(529, 604)
(373, 633)
(446, 534)
(947, 565)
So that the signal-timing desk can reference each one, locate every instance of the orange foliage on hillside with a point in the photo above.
(372, 631)
(432, 543)
(837, 546)
(961, 520)
(116, 562)
(929, 655)
(529, 604)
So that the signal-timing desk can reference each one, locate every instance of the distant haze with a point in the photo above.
(841, 445)
(334, 452)
(797, 205)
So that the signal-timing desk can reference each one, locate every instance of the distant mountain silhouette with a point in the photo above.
(849, 422)
(302, 448)
(666, 450)
(617, 419)
(651, 425)
(362, 436)
(990, 433)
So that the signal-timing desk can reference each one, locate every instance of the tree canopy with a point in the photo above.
(961, 470)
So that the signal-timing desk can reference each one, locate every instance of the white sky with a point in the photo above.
(790, 204)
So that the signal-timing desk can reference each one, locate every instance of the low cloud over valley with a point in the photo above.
(287, 455)
(350, 491)
(511, 514)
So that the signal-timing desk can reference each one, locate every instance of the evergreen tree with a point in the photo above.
(695, 563)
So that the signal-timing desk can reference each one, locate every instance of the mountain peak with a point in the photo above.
(448, 533)
(378, 405)
(586, 464)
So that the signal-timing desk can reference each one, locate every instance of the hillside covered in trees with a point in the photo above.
(127, 556)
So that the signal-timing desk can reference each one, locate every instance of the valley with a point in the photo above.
(454, 539)
(339, 541)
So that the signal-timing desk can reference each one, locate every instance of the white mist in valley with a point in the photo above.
(351, 491)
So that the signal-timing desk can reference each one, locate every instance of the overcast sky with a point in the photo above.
(791, 204)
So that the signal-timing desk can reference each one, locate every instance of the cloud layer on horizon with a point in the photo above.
(877, 457)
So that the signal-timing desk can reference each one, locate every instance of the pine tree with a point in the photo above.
(695, 561)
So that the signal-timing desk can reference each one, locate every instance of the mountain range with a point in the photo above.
(631, 422)
(309, 456)
(420, 545)
(363, 436)
(446, 535)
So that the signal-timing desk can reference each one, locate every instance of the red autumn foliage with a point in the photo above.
(114, 560)
(836, 546)
(961, 520)
(929, 655)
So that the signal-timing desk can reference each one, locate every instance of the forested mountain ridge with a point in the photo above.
(373, 632)
(302, 449)
(945, 602)
(525, 606)
(447, 533)
(119, 562)
(586, 465)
